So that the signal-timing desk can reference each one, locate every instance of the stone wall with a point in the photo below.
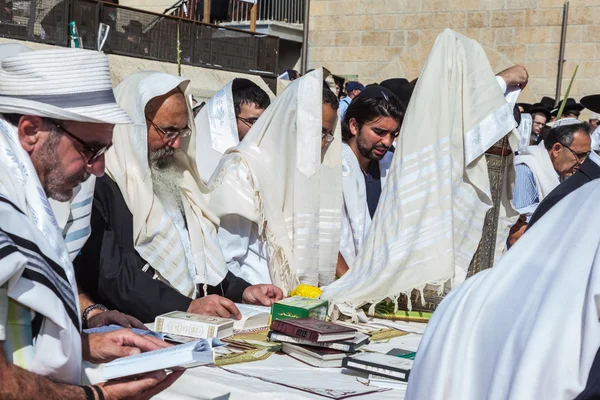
(373, 40)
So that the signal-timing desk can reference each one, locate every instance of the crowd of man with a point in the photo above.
(119, 205)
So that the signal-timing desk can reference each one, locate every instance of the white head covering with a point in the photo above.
(33, 83)
(429, 220)
(527, 328)
(216, 128)
(276, 177)
(154, 233)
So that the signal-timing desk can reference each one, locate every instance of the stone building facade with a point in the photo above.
(373, 40)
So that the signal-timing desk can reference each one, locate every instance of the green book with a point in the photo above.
(299, 307)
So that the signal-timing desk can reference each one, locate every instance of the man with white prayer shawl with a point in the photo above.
(540, 169)
(73, 217)
(278, 193)
(57, 113)
(527, 328)
(225, 120)
(154, 247)
(429, 221)
(370, 126)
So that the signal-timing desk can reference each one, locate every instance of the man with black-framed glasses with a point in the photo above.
(154, 247)
(225, 120)
(540, 169)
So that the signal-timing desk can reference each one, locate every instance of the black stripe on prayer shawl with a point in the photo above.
(40, 268)
(39, 271)
(70, 100)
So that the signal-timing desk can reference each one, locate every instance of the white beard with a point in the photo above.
(166, 183)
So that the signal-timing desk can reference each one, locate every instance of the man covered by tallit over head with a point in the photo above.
(429, 220)
(278, 193)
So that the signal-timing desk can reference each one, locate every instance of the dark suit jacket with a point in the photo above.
(110, 270)
(588, 171)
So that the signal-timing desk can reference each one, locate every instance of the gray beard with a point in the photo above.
(166, 182)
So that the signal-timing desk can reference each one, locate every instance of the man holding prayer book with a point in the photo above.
(57, 114)
(153, 247)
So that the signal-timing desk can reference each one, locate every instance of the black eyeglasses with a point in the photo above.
(171, 135)
(580, 156)
(248, 121)
(94, 152)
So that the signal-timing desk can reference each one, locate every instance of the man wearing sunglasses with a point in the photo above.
(543, 167)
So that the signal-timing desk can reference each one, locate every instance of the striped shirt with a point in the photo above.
(525, 192)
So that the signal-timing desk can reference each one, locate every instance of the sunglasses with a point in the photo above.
(94, 152)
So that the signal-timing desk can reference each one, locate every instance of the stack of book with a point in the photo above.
(316, 342)
(389, 370)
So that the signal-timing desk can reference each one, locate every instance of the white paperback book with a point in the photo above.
(193, 325)
(380, 364)
(175, 357)
(253, 317)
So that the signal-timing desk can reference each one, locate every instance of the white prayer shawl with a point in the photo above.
(429, 220)
(524, 132)
(277, 178)
(216, 128)
(538, 161)
(74, 216)
(356, 218)
(596, 139)
(42, 278)
(527, 328)
(155, 234)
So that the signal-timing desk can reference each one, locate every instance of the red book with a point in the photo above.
(314, 330)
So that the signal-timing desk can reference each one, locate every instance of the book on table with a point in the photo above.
(385, 382)
(181, 356)
(299, 307)
(349, 345)
(253, 317)
(313, 330)
(315, 356)
(198, 326)
(380, 364)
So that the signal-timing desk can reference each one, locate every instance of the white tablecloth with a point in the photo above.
(228, 383)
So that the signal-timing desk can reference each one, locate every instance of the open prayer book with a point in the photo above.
(175, 357)
(253, 317)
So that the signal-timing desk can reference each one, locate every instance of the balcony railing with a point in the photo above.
(290, 11)
(141, 34)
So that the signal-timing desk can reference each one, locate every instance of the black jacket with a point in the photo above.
(588, 171)
(109, 269)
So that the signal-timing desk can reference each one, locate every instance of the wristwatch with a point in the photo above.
(88, 310)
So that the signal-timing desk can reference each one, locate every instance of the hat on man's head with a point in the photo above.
(539, 108)
(570, 105)
(63, 84)
(12, 49)
(547, 102)
(524, 106)
(353, 85)
(591, 102)
(401, 87)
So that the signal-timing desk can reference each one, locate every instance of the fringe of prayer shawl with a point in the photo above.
(279, 264)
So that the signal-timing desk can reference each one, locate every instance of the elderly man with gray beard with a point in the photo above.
(153, 247)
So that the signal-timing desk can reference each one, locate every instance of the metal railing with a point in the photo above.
(141, 34)
(290, 11)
